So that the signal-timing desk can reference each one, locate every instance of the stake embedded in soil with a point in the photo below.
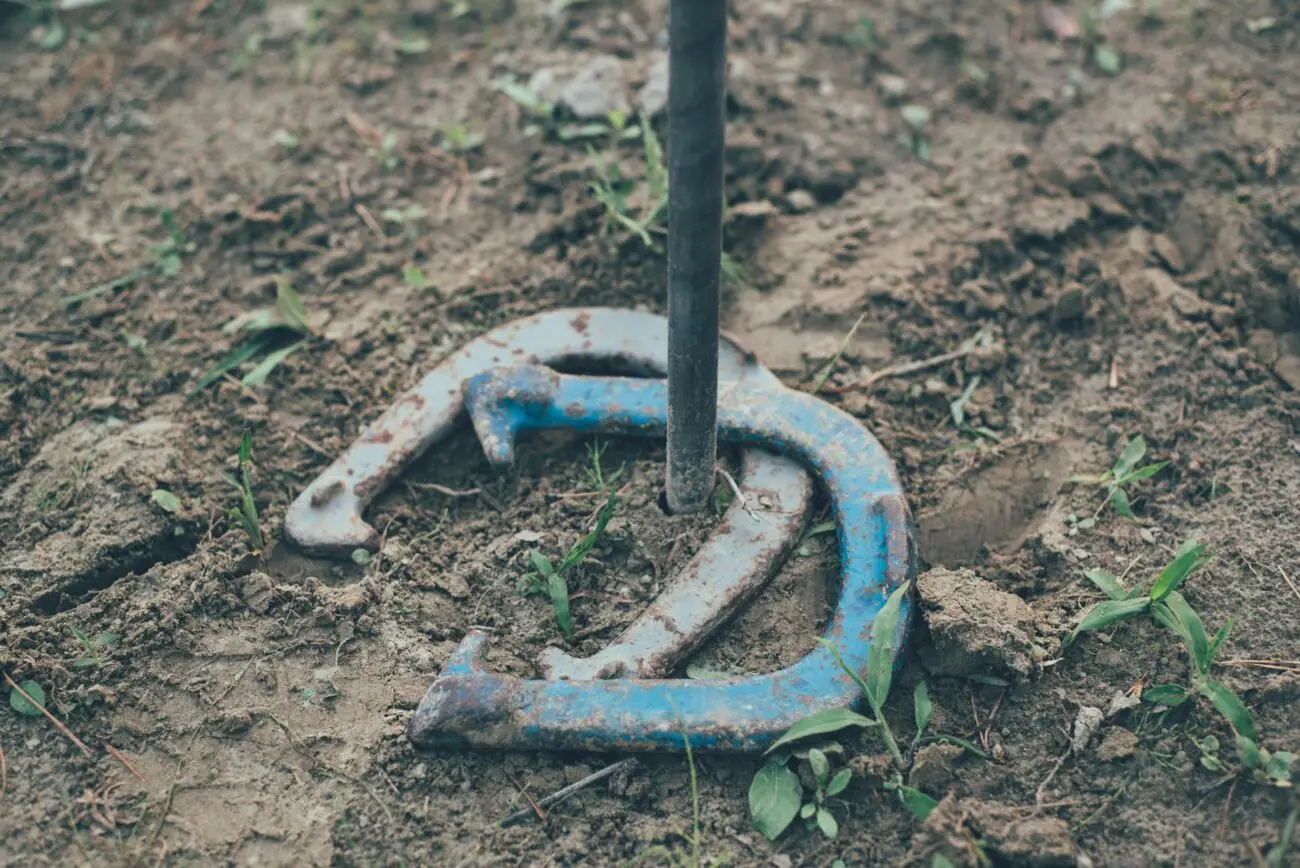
(535, 808)
(697, 41)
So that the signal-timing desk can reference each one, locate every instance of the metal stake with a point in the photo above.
(697, 41)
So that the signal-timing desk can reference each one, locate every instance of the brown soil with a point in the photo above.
(1131, 243)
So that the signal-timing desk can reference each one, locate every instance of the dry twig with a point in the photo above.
(560, 795)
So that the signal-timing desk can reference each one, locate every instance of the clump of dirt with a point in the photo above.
(972, 628)
(968, 832)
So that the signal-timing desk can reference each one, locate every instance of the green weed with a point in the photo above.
(166, 260)
(94, 648)
(246, 512)
(1125, 472)
(268, 328)
(549, 579)
(1168, 608)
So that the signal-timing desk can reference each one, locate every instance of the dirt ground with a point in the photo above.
(1115, 209)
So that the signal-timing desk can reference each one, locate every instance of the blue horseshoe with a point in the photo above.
(468, 706)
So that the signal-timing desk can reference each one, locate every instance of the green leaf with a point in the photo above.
(1191, 628)
(559, 592)
(1231, 707)
(960, 742)
(884, 644)
(257, 376)
(107, 640)
(1106, 613)
(82, 663)
(245, 449)
(916, 801)
(583, 547)
(821, 767)
(1129, 458)
(230, 362)
(290, 307)
(1186, 559)
(56, 35)
(541, 563)
(1144, 472)
(1169, 695)
(823, 722)
(1248, 751)
(1278, 766)
(839, 782)
(1119, 502)
(1217, 641)
(19, 703)
(922, 707)
(941, 861)
(774, 799)
(166, 501)
(1107, 584)
(1108, 61)
(808, 810)
(413, 276)
(827, 823)
(823, 527)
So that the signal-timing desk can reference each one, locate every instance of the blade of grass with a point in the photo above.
(257, 376)
(1186, 560)
(230, 362)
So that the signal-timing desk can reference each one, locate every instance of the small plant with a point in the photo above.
(167, 253)
(549, 579)
(387, 153)
(1171, 610)
(1125, 472)
(246, 512)
(637, 206)
(274, 334)
(21, 704)
(917, 118)
(459, 140)
(94, 648)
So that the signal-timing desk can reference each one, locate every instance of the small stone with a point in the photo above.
(653, 96)
(1086, 724)
(781, 860)
(1122, 702)
(893, 88)
(973, 627)
(1108, 206)
(284, 21)
(801, 201)
(1168, 252)
(1118, 744)
(596, 91)
(1288, 370)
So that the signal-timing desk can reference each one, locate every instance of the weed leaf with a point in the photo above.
(1169, 695)
(288, 303)
(822, 723)
(962, 743)
(774, 798)
(1145, 472)
(1129, 458)
(230, 362)
(922, 706)
(839, 782)
(1106, 613)
(917, 802)
(884, 642)
(1107, 584)
(559, 591)
(166, 501)
(1231, 707)
(257, 376)
(1191, 628)
(1187, 559)
(827, 823)
(1248, 752)
(1217, 641)
(1119, 502)
(19, 703)
(821, 767)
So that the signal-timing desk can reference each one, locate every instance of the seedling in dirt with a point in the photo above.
(693, 858)
(776, 795)
(1125, 472)
(1171, 610)
(246, 512)
(917, 118)
(637, 206)
(595, 470)
(958, 410)
(94, 648)
(386, 154)
(459, 140)
(274, 334)
(549, 579)
(863, 35)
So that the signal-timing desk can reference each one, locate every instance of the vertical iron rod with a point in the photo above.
(697, 42)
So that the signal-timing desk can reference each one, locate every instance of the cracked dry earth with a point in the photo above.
(1127, 245)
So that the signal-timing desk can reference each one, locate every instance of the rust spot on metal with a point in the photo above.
(384, 436)
(581, 322)
(326, 493)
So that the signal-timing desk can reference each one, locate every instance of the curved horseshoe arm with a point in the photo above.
(469, 706)
(327, 517)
